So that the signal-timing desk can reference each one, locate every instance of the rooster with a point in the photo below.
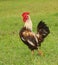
(31, 39)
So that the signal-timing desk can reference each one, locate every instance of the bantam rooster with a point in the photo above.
(31, 39)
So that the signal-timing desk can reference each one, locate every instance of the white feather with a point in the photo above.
(30, 42)
(22, 38)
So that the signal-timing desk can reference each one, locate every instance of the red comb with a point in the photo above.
(25, 13)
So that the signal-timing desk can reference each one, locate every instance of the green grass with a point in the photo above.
(12, 49)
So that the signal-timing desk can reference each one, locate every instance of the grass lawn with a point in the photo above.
(12, 49)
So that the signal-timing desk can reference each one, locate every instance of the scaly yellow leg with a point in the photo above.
(40, 52)
(32, 52)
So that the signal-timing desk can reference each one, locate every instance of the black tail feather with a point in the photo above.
(43, 29)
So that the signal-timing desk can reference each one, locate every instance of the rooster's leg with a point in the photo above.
(32, 52)
(40, 52)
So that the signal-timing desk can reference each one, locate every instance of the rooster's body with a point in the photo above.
(31, 39)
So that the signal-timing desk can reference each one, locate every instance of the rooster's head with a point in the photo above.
(25, 16)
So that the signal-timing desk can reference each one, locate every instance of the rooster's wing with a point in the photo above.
(30, 38)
